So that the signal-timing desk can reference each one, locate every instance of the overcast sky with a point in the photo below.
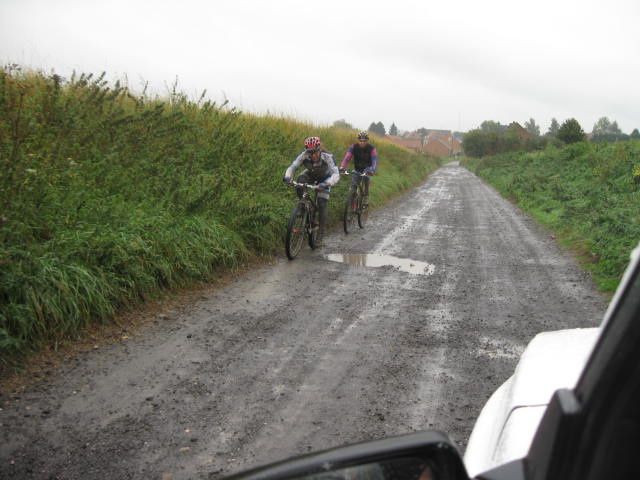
(435, 64)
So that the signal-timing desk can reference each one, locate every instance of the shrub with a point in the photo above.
(571, 132)
(583, 192)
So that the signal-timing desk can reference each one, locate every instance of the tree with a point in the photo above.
(478, 143)
(602, 126)
(342, 124)
(377, 128)
(635, 135)
(512, 139)
(474, 143)
(532, 128)
(393, 130)
(553, 128)
(492, 138)
(607, 131)
(571, 131)
(615, 129)
(491, 126)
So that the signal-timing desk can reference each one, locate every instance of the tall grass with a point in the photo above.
(588, 193)
(108, 197)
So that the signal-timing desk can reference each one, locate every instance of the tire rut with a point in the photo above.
(308, 354)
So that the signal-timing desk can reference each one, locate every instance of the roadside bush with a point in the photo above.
(587, 193)
(108, 197)
(571, 132)
(495, 139)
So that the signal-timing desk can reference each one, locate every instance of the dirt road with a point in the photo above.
(315, 352)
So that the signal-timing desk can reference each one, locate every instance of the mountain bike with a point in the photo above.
(303, 221)
(354, 207)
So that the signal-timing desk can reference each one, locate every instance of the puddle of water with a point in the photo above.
(378, 260)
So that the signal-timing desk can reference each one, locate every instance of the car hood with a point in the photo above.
(506, 425)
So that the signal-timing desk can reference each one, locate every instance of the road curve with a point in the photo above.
(312, 353)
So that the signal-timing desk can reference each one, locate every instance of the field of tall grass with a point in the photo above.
(589, 194)
(109, 196)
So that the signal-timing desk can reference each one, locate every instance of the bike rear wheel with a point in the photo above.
(350, 208)
(295, 231)
(363, 211)
(312, 236)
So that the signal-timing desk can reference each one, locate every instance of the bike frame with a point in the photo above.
(354, 202)
(311, 204)
(359, 186)
(309, 207)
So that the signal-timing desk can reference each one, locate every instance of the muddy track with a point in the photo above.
(312, 353)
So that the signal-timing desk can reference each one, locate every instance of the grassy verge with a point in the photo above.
(587, 193)
(108, 197)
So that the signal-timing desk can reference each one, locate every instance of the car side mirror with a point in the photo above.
(419, 456)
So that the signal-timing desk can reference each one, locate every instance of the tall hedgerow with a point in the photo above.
(108, 196)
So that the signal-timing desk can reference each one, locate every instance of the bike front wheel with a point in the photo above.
(363, 211)
(295, 232)
(350, 208)
(313, 227)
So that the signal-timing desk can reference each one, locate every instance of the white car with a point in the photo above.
(509, 420)
(571, 411)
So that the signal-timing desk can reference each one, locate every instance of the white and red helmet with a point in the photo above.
(312, 143)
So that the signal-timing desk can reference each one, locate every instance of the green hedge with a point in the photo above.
(108, 197)
(588, 193)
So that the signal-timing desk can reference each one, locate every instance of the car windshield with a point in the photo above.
(234, 233)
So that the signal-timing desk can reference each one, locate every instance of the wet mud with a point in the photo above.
(372, 260)
(313, 353)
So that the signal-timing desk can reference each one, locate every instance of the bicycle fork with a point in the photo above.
(312, 224)
(354, 200)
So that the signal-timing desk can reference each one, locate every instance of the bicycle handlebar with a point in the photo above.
(293, 183)
(354, 172)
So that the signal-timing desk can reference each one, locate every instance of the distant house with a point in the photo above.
(439, 143)
(412, 143)
(522, 133)
(442, 143)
